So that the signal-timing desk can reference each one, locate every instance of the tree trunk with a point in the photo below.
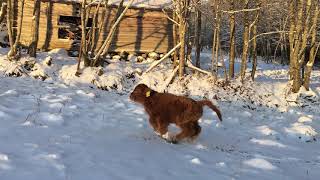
(198, 36)
(182, 34)
(296, 75)
(305, 34)
(232, 42)
(218, 43)
(3, 12)
(35, 29)
(19, 28)
(189, 41)
(313, 50)
(245, 49)
(215, 41)
(175, 41)
(291, 35)
(183, 13)
(12, 53)
(83, 55)
(254, 46)
(49, 26)
(93, 33)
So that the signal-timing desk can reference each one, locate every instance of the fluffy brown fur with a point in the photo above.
(166, 108)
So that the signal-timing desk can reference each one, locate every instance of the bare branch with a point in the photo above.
(163, 58)
(172, 20)
(268, 33)
(191, 66)
(170, 78)
(3, 11)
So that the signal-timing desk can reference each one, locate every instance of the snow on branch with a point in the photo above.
(242, 10)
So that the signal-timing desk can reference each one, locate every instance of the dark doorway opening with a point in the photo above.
(70, 27)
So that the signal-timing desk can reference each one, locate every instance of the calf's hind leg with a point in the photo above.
(196, 129)
(187, 130)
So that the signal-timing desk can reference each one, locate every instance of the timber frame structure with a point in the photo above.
(143, 29)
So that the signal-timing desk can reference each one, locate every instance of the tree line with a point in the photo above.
(274, 29)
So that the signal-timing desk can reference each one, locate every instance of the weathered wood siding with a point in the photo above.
(141, 30)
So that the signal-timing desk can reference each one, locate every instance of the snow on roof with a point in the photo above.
(145, 3)
(136, 3)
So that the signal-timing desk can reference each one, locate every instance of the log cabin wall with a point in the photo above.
(141, 29)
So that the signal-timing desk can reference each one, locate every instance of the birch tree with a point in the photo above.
(300, 12)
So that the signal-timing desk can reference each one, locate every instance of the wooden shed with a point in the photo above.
(144, 28)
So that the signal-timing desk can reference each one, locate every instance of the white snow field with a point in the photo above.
(64, 128)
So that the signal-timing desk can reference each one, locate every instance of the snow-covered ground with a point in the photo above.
(65, 128)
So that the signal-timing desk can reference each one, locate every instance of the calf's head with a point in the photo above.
(140, 93)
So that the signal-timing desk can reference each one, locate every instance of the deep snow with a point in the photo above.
(65, 128)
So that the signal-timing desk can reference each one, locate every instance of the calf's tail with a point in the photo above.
(211, 106)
